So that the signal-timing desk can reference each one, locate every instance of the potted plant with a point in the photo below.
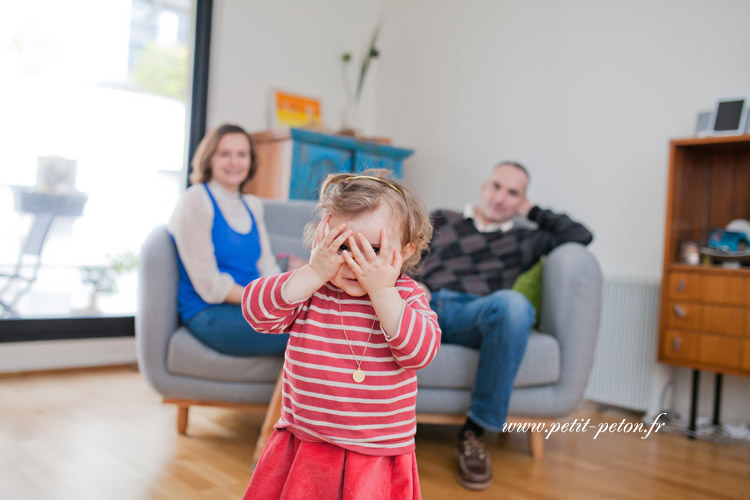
(350, 122)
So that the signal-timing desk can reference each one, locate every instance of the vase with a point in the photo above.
(350, 120)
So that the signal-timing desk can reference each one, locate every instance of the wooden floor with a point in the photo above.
(103, 434)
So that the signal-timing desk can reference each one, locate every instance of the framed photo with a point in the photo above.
(292, 110)
(729, 116)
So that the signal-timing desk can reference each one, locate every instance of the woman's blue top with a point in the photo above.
(236, 254)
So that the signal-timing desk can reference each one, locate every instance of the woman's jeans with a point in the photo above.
(223, 328)
(498, 325)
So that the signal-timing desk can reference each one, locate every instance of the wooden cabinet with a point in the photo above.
(293, 162)
(705, 309)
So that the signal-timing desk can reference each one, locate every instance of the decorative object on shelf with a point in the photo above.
(728, 241)
(729, 116)
(701, 123)
(294, 110)
(740, 225)
(731, 244)
(705, 122)
(725, 257)
(690, 253)
(351, 124)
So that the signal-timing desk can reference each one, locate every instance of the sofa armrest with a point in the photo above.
(156, 314)
(571, 304)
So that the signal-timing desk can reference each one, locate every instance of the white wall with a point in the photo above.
(291, 45)
(63, 354)
(586, 93)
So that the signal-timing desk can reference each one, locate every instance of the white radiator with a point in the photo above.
(625, 371)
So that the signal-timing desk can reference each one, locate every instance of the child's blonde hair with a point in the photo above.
(352, 195)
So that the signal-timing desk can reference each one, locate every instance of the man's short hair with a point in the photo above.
(514, 164)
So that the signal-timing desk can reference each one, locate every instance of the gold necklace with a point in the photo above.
(358, 375)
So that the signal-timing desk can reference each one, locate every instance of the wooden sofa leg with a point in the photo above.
(182, 418)
(536, 444)
(272, 416)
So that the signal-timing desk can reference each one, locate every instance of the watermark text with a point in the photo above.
(582, 426)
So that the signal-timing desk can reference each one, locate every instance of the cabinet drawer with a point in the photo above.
(685, 286)
(723, 319)
(726, 290)
(684, 315)
(745, 361)
(680, 346)
(719, 351)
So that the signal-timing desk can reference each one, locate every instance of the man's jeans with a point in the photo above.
(223, 328)
(498, 325)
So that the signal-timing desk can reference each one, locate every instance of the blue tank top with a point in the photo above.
(236, 254)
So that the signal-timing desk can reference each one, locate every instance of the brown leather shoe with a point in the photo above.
(474, 466)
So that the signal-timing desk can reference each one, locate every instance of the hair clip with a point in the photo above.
(373, 178)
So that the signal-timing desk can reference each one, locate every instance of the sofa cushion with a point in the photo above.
(529, 284)
(455, 366)
(188, 356)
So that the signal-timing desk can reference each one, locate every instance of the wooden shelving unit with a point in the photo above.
(705, 309)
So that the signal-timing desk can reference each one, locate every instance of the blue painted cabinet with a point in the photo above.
(311, 163)
(292, 163)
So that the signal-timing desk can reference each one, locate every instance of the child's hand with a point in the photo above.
(374, 271)
(324, 258)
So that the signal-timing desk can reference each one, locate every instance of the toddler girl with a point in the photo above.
(359, 328)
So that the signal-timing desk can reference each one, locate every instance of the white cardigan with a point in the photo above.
(191, 225)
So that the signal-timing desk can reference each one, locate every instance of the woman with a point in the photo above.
(222, 245)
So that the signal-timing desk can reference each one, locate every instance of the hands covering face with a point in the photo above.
(375, 268)
(325, 258)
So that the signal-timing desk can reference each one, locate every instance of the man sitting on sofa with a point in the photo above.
(473, 261)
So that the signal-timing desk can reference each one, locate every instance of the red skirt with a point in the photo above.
(291, 469)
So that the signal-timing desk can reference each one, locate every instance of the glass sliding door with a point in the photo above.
(95, 107)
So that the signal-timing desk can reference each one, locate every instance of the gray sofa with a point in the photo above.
(180, 368)
(550, 383)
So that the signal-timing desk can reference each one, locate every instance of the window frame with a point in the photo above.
(39, 329)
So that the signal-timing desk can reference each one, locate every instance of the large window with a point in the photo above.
(94, 100)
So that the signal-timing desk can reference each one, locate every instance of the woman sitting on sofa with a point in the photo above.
(222, 246)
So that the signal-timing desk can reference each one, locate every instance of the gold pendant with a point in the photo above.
(358, 375)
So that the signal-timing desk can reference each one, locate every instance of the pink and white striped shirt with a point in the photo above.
(320, 400)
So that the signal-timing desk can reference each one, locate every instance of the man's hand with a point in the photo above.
(325, 259)
(525, 207)
(376, 272)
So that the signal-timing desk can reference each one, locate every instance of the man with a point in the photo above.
(474, 259)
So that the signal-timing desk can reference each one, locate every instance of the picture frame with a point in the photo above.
(729, 116)
(294, 110)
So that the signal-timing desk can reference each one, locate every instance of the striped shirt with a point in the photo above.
(320, 400)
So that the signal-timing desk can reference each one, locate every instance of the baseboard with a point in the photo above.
(57, 354)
